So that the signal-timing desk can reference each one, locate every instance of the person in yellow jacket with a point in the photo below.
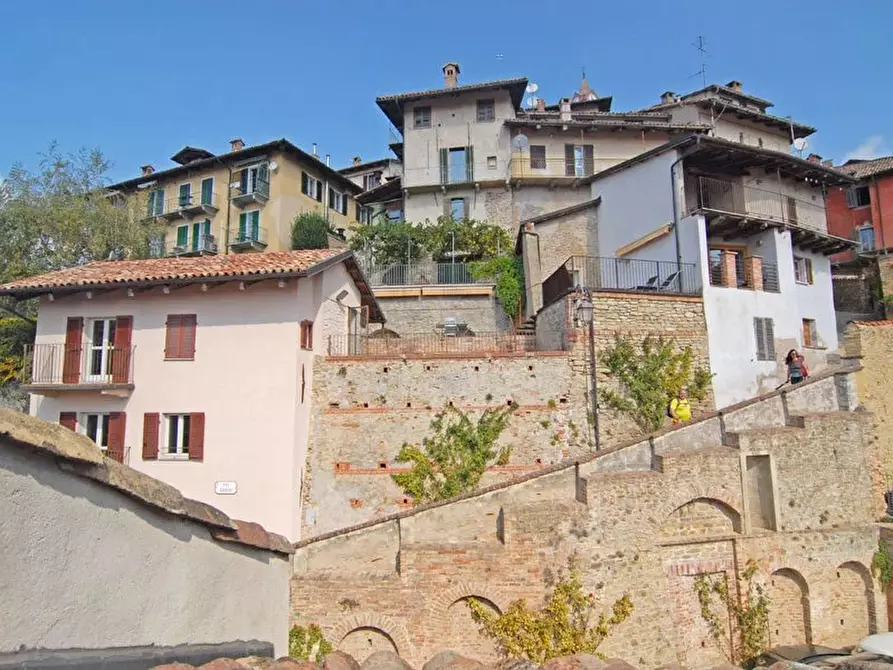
(680, 409)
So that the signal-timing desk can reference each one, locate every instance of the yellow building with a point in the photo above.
(243, 200)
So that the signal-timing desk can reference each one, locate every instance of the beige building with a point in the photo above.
(242, 200)
(197, 371)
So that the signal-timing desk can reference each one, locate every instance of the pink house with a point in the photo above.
(196, 371)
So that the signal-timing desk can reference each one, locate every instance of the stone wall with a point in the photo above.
(643, 518)
(97, 555)
(423, 313)
(364, 410)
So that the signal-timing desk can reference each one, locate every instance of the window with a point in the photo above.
(249, 227)
(579, 160)
(101, 344)
(371, 180)
(421, 117)
(255, 179)
(201, 235)
(96, 427)
(156, 202)
(337, 201)
(182, 237)
(866, 238)
(395, 214)
(537, 157)
(486, 110)
(311, 187)
(456, 165)
(208, 191)
(179, 342)
(810, 336)
(185, 195)
(306, 334)
(803, 270)
(491, 162)
(458, 209)
(176, 435)
(764, 333)
(858, 196)
(364, 214)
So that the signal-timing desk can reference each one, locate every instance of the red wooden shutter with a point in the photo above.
(121, 352)
(117, 423)
(187, 336)
(172, 336)
(196, 436)
(151, 421)
(74, 338)
(68, 420)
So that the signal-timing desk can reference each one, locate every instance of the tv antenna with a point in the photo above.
(702, 52)
(532, 89)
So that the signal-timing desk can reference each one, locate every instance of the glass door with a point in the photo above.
(579, 162)
(99, 348)
(185, 195)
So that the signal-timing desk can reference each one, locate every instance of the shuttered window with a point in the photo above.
(180, 337)
(306, 334)
(764, 333)
(421, 117)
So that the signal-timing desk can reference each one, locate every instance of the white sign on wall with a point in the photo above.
(225, 488)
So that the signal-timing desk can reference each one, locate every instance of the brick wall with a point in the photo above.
(364, 410)
(646, 529)
(423, 313)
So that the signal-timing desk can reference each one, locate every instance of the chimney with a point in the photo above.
(357, 160)
(451, 75)
(315, 150)
(328, 160)
(236, 144)
(540, 105)
(735, 85)
(147, 169)
(667, 97)
(564, 107)
(828, 163)
(814, 158)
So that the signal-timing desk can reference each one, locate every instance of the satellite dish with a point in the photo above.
(800, 144)
(273, 166)
(531, 101)
(532, 88)
(520, 142)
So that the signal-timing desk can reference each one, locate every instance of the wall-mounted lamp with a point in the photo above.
(341, 295)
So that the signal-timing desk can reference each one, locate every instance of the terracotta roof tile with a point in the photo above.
(160, 270)
(868, 168)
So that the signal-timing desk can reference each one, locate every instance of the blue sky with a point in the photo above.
(140, 80)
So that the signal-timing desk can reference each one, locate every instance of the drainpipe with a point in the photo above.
(229, 202)
(676, 221)
(880, 216)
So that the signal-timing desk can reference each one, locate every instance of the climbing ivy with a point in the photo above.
(564, 626)
(741, 626)
(454, 458)
(882, 564)
(308, 644)
(508, 273)
(650, 374)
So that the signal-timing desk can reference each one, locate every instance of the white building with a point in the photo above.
(197, 371)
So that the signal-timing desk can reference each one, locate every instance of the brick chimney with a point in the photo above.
(236, 144)
(814, 158)
(357, 160)
(667, 97)
(147, 169)
(735, 85)
(564, 107)
(540, 105)
(451, 75)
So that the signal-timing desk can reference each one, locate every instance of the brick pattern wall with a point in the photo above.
(645, 531)
(789, 620)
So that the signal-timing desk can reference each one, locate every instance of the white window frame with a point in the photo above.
(156, 201)
(859, 230)
(851, 201)
(182, 440)
(188, 196)
(313, 185)
(102, 431)
(201, 190)
(104, 348)
(337, 201)
(805, 263)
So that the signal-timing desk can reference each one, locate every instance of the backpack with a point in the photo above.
(670, 409)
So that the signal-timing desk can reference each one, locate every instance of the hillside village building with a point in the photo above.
(240, 201)
(197, 371)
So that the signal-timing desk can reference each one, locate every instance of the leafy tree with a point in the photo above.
(650, 375)
(454, 458)
(476, 239)
(386, 242)
(308, 644)
(508, 271)
(741, 626)
(310, 230)
(564, 626)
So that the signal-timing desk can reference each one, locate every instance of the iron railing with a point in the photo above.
(623, 274)
(195, 201)
(721, 195)
(260, 189)
(525, 166)
(77, 365)
(743, 275)
(434, 344)
(250, 236)
(203, 244)
(414, 274)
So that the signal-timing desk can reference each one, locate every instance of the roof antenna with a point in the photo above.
(699, 45)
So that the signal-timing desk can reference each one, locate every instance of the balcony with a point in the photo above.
(249, 239)
(420, 274)
(51, 369)
(188, 206)
(621, 274)
(729, 268)
(257, 192)
(203, 245)
(525, 167)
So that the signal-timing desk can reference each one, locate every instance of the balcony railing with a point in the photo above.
(250, 238)
(723, 196)
(198, 246)
(523, 166)
(63, 366)
(623, 274)
(723, 262)
(435, 344)
(187, 206)
(259, 192)
(425, 273)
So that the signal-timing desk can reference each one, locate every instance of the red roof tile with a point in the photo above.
(175, 270)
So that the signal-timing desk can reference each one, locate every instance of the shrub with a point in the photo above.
(308, 644)
(310, 230)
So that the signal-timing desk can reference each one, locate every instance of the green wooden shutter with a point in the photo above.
(331, 197)
(196, 231)
(185, 193)
(243, 181)
(305, 189)
(207, 191)
(242, 222)
(444, 166)
(469, 163)
(206, 227)
(182, 236)
(255, 225)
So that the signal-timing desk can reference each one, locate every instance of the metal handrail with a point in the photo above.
(64, 364)
(252, 234)
(423, 273)
(722, 195)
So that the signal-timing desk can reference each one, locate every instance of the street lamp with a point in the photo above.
(586, 315)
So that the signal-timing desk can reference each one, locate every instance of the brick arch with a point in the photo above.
(441, 603)
(790, 619)
(852, 602)
(701, 517)
(679, 497)
(387, 626)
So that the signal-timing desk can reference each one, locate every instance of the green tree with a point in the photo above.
(564, 626)
(454, 458)
(649, 376)
(310, 230)
(386, 242)
(508, 273)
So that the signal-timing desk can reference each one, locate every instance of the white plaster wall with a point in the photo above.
(246, 378)
(83, 566)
